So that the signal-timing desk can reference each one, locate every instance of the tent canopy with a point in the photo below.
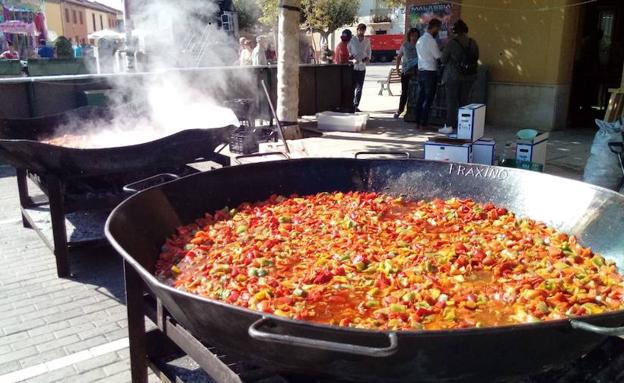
(107, 34)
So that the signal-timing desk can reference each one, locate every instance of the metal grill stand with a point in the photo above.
(168, 341)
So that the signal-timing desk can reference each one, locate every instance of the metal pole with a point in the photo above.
(129, 25)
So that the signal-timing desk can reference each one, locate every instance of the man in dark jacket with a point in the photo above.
(459, 51)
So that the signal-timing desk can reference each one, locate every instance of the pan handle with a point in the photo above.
(145, 183)
(609, 331)
(260, 155)
(388, 153)
(376, 352)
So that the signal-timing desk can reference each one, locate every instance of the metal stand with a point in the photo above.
(56, 202)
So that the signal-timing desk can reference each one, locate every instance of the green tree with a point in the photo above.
(269, 13)
(248, 13)
(394, 3)
(325, 16)
(322, 16)
(64, 48)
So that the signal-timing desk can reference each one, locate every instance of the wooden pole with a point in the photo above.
(288, 67)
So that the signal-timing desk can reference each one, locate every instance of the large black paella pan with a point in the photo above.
(139, 226)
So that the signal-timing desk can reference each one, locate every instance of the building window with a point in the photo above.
(66, 15)
(74, 16)
(81, 19)
(94, 26)
(101, 22)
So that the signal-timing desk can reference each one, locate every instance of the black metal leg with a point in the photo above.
(136, 325)
(59, 231)
(22, 188)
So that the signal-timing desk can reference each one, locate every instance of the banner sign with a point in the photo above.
(420, 15)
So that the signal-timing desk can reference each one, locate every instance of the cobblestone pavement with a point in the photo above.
(51, 329)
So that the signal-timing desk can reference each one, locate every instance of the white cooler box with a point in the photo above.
(533, 150)
(447, 150)
(342, 122)
(471, 122)
(484, 151)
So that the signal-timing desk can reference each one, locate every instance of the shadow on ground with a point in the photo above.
(100, 267)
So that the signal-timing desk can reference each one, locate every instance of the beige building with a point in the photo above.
(76, 19)
(54, 19)
(100, 17)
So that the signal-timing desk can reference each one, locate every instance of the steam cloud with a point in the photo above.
(147, 107)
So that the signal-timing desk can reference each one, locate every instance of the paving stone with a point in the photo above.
(122, 377)
(99, 330)
(121, 365)
(8, 367)
(58, 343)
(116, 334)
(5, 349)
(17, 355)
(49, 328)
(45, 313)
(21, 327)
(43, 356)
(100, 361)
(13, 338)
(86, 344)
(32, 341)
(55, 376)
(87, 376)
(78, 330)
(64, 315)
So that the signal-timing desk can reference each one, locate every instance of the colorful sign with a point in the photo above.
(18, 27)
(420, 15)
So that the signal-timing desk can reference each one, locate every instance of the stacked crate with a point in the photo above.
(468, 145)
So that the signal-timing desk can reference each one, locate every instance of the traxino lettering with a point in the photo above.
(478, 172)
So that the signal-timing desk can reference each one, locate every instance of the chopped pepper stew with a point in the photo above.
(375, 261)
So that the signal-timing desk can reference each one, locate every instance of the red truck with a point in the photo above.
(385, 47)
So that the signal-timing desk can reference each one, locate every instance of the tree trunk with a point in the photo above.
(288, 68)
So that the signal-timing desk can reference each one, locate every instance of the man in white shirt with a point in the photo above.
(360, 53)
(428, 56)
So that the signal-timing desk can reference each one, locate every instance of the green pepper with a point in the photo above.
(397, 308)
(598, 260)
(262, 272)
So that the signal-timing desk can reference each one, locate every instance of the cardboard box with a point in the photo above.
(471, 122)
(448, 150)
(533, 150)
(484, 151)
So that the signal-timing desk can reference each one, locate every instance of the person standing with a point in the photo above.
(460, 59)
(407, 65)
(341, 53)
(245, 53)
(258, 56)
(10, 53)
(45, 51)
(360, 52)
(428, 56)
